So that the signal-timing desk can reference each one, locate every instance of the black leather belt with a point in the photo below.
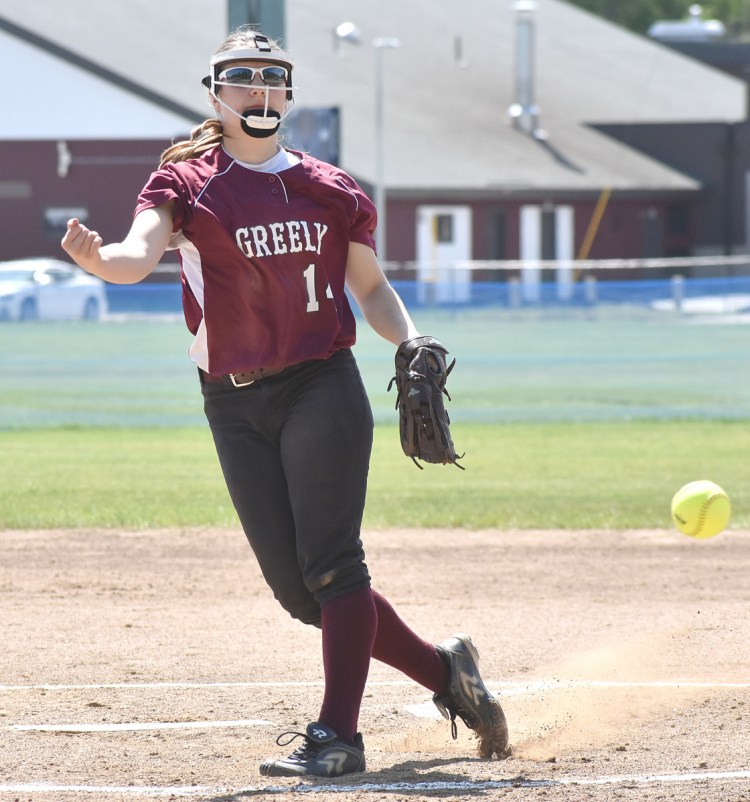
(241, 379)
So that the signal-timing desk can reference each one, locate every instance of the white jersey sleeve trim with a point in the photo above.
(192, 268)
(177, 240)
(198, 351)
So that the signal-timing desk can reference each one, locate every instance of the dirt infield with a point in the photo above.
(155, 664)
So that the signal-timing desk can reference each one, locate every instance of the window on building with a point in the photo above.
(678, 218)
(443, 228)
(497, 234)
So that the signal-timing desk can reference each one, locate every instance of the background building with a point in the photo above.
(509, 130)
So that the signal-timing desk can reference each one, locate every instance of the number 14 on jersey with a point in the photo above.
(312, 297)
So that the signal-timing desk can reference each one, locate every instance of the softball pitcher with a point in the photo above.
(267, 240)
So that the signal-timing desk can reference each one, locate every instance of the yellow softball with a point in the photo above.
(701, 509)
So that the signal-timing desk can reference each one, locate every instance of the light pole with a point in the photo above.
(380, 45)
(349, 32)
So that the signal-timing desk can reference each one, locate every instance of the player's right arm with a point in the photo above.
(125, 262)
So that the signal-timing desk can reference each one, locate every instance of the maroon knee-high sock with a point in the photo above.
(400, 647)
(349, 624)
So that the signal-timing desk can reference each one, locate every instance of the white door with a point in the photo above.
(443, 249)
(555, 228)
(564, 253)
(530, 249)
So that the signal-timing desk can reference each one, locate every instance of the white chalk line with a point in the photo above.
(468, 785)
(185, 685)
(509, 688)
(136, 727)
(520, 688)
(419, 710)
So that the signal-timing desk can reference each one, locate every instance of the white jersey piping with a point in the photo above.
(356, 200)
(216, 175)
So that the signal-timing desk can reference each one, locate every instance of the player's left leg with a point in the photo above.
(450, 670)
(357, 623)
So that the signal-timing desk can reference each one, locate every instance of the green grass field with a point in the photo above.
(533, 475)
(512, 366)
(590, 419)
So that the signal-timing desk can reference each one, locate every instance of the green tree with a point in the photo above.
(638, 15)
(735, 14)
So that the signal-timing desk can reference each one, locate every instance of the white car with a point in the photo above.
(49, 289)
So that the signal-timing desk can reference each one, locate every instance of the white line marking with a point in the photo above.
(134, 727)
(516, 782)
(419, 710)
(424, 710)
(157, 685)
(519, 688)
(428, 709)
(508, 687)
(134, 790)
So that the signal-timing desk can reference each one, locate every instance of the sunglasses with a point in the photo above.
(244, 76)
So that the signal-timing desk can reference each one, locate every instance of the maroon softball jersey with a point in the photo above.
(263, 257)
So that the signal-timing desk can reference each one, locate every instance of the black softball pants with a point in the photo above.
(294, 449)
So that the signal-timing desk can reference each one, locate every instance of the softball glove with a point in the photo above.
(424, 425)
